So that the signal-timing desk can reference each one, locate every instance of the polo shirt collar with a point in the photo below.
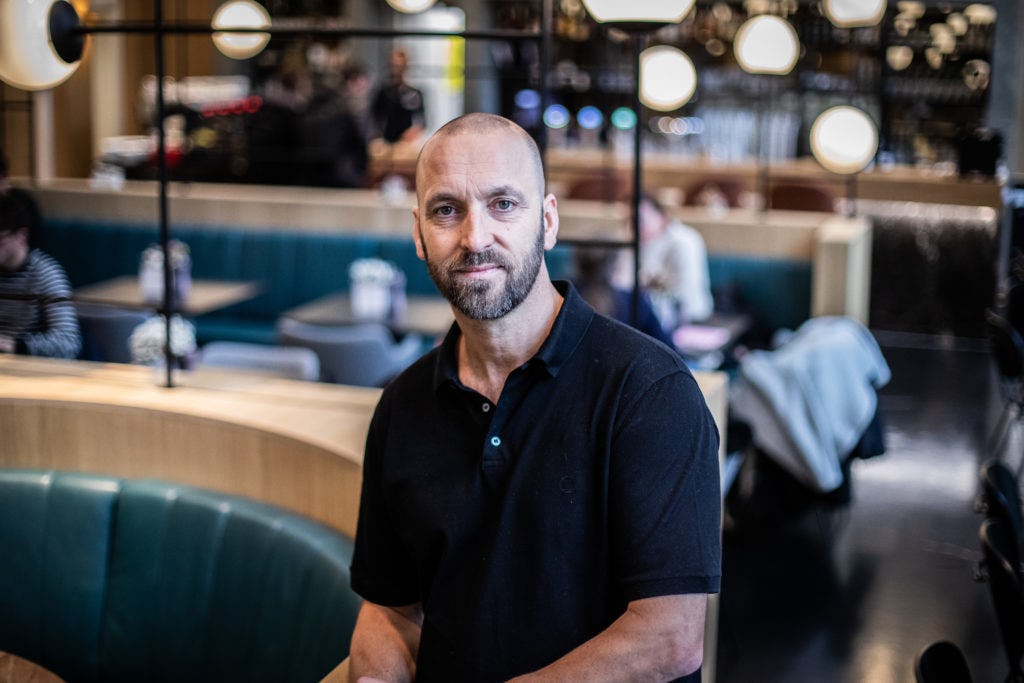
(570, 325)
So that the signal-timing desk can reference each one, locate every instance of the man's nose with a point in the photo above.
(476, 232)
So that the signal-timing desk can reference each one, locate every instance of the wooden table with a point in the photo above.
(14, 669)
(428, 315)
(204, 295)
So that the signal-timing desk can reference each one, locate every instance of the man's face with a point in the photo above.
(13, 250)
(482, 222)
(397, 65)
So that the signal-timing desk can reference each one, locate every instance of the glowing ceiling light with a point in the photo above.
(240, 14)
(844, 139)
(766, 44)
(853, 13)
(668, 78)
(638, 12)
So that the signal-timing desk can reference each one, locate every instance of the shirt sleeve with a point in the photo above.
(382, 569)
(664, 497)
(687, 273)
(59, 336)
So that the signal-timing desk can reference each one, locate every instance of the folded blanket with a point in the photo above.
(809, 401)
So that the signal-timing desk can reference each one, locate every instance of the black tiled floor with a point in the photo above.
(855, 593)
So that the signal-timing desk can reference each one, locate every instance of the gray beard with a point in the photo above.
(476, 300)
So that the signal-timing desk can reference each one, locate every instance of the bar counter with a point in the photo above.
(667, 170)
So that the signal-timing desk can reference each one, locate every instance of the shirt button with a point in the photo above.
(486, 407)
(495, 441)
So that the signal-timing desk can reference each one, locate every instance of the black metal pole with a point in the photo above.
(161, 168)
(851, 195)
(634, 304)
(284, 28)
(762, 162)
(547, 12)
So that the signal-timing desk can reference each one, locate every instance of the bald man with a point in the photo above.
(540, 494)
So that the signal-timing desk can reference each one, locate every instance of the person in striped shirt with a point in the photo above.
(37, 316)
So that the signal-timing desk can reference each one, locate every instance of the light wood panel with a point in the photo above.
(294, 444)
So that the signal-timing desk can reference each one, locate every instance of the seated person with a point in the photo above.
(673, 267)
(37, 317)
(594, 269)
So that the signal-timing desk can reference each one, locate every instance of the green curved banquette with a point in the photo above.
(109, 579)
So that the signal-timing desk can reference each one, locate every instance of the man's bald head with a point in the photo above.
(482, 124)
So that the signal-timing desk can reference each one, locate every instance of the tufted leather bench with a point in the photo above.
(295, 267)
(107, 579)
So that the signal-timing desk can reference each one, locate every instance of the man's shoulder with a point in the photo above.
(39, 259)
(681, 232)
(416, 379)
(620, 344)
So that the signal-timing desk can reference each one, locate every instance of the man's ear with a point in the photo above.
(417, 234)
(550, 221)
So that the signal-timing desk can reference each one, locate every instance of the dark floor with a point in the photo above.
(854, 594)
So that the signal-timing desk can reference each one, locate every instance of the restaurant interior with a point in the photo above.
(235, 223)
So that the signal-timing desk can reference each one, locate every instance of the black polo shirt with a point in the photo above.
(524, 528)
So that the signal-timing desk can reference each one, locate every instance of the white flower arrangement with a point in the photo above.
(147, 339)
(181, 256)
(151, 271)
(373, 271)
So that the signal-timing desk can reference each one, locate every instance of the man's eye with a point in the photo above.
(444, 211)
(504, 205)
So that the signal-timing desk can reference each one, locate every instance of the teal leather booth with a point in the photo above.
(294, 267)
(107, 579)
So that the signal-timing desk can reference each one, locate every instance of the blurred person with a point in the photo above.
(594, 269)
(398, 110)
(37, 317)
(358, 89)
(540, 494)
(673, 267)
(35, 226)
(332, 139)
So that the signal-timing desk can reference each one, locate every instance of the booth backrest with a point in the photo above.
(107, 579)
(297, 266)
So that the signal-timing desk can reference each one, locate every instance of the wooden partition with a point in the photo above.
(294, 444)
(838, 248)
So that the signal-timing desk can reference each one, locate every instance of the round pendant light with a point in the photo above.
(38, 48)
(638, 13)
(766, 44)
(667, 78)
(844, 139)
(411, 6)
(241, 14)
(854, 13)
(899, 57)
(980, 14)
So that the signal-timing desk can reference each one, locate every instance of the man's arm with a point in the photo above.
(385, 642)
(656, 639)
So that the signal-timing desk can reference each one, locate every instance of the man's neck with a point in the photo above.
(489, 350)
